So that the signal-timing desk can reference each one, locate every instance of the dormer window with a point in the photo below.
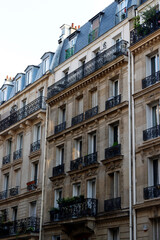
(95, 22)
(46, 65)
(29, 77)
(121, 11)
(18, 85)
(71, 46)
(4, 94)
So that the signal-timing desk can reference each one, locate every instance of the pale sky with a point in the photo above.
(29, 28)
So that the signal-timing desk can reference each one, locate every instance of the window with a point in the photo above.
(9, 146)
(114, 185)
(6, 183)
(77, 189)
(4, 94)
(156, 228)
(46, 65)
(14, 213)
(113, 134)
(32, 209)
(71, 47)
(113, 234)
(115, 88)
(3, 215)
(18, 84)
(29, 77)
(60, 155)
(41, 92)
(152, 65)
(78, 148)
(34, 173)
(94, 99)
(20, 141)
(92, 143)
(37, 132)
(17, 177)
(91, 189)
(153, 115)
(57, 195)
(56, 237)
(62, 115)
(153, 172)
(121, 11)
(80, 105)
(94, 29)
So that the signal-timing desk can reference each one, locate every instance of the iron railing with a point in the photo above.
(35, 146)
(145, 29)
(88, 207)
(7, 159)
(32, 185)
(113, 151)
(93, 35)
(121, 15)
(75, 164)
(22, 113)
(17, 154)
(88, 68)
(58, 170)
(150, 80)
(19, 227)
(91, 112)
(151, 192)
(112, 204)
(14, 191)
(90, 159)
(59, 128)
(113, 101)
(77, 119)
(152, 132)
(3, 194)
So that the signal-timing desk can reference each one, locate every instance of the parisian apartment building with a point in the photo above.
(80, 133)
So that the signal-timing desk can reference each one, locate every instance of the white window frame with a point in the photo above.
(4, 94)
(18, 84)
(78, 148)
(61, 115)
(29, 76)
(94, 98)
(46, 64)
(80, 105)
(91, 142)
(150, 171)
(149, 114)
(57, 193)
(91, 188)
(59, 155)
(76, 189)
(114, 184)
(110, 234)
(33, 209)
(17, 177)
(19, 141)
(111, 134)
(37, 132)
(34, 172)
(6, 182)
(149, 65)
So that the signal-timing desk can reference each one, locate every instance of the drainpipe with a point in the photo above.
(133, 147)
(130, 157)
(43, 174)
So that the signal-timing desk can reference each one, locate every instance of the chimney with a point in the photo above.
(79, 26)
(64, 32)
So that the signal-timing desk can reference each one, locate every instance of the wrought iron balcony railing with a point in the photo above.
(113, 101)
(91, 112)
(19, 227)
(17, 154)
(88, 68)
(152, 132)
(58, 170)
(90, 159)
(121, 15)
(150, 80)
(35, 146)
(151, 192)
(93, 35)
(14, 191)
(145, 29)
(113, 151)
(112, 204)
(22, 113)
(75, 164)
(32, 185)
(88, 207)
(3, 194)
(7, 159)
(59, 128)
(77, 119)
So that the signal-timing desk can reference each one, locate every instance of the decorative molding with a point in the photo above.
(111, 166)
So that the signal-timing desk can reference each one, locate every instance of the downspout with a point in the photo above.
(133, 151)
(130, 157)
(43, 174)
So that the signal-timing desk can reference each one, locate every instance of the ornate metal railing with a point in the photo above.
(59, 128)
(113, 151)
(7, 159)
(14, 191)
(88, 68)
(77, 119)
(32, 185)
(112, 204)
(58, 170)
(121, 15)
(88, 207)
(151, 192)
(75, 164)
(18, 227)
(22, 113)
(113, 101)
(35, 146)
(152, 132)
(3, 194)
(93, 35)
(17, 154)
(90, 159)
(91, 112)
(150, 80)
(145, 29)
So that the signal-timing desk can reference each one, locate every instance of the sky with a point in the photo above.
(29, 28)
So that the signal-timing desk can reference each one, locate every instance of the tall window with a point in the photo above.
(91, 188)
(6, 183)
(153, 115)
(113, 234)
(18, 84)
(77, 189)
(80, 105)
(62, 115)
(92, 143)
(34, 174)
(32, 209)
(153, 172)
(4, 94)
(29, 76)
(14, 213)
(57, 196)
(152, 64)
(114, 185)
(113, 134)
(94, 29)
(20, 141)
(94, 100)
(46, 65)
(78, 148)
(60, 155)
(17, 177)
(37, 132)
(9, 146)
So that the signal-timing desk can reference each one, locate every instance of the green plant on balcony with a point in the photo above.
(115, 144)
(64, 202)
(55, 210)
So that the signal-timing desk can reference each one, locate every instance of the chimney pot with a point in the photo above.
(72, 25)
(75, 27)
(78, 26)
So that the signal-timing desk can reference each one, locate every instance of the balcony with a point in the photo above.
(75, 164)
(113, 151)
(93, 35)
(90, 159)
(20, 227)
(9, 193)
(145, 29)
(17, 154)
(77, 119)
(85, 208)
(59, 170)
(151, 133)
(91, 112)
(59, 128)
(151, 192)
(112, 204)
(3, 195)
(88, 68)
(22, 113)
(121, 15)
(113, 101)
(7, 159)
(35, 146)
(150, 80)
(32, 185)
